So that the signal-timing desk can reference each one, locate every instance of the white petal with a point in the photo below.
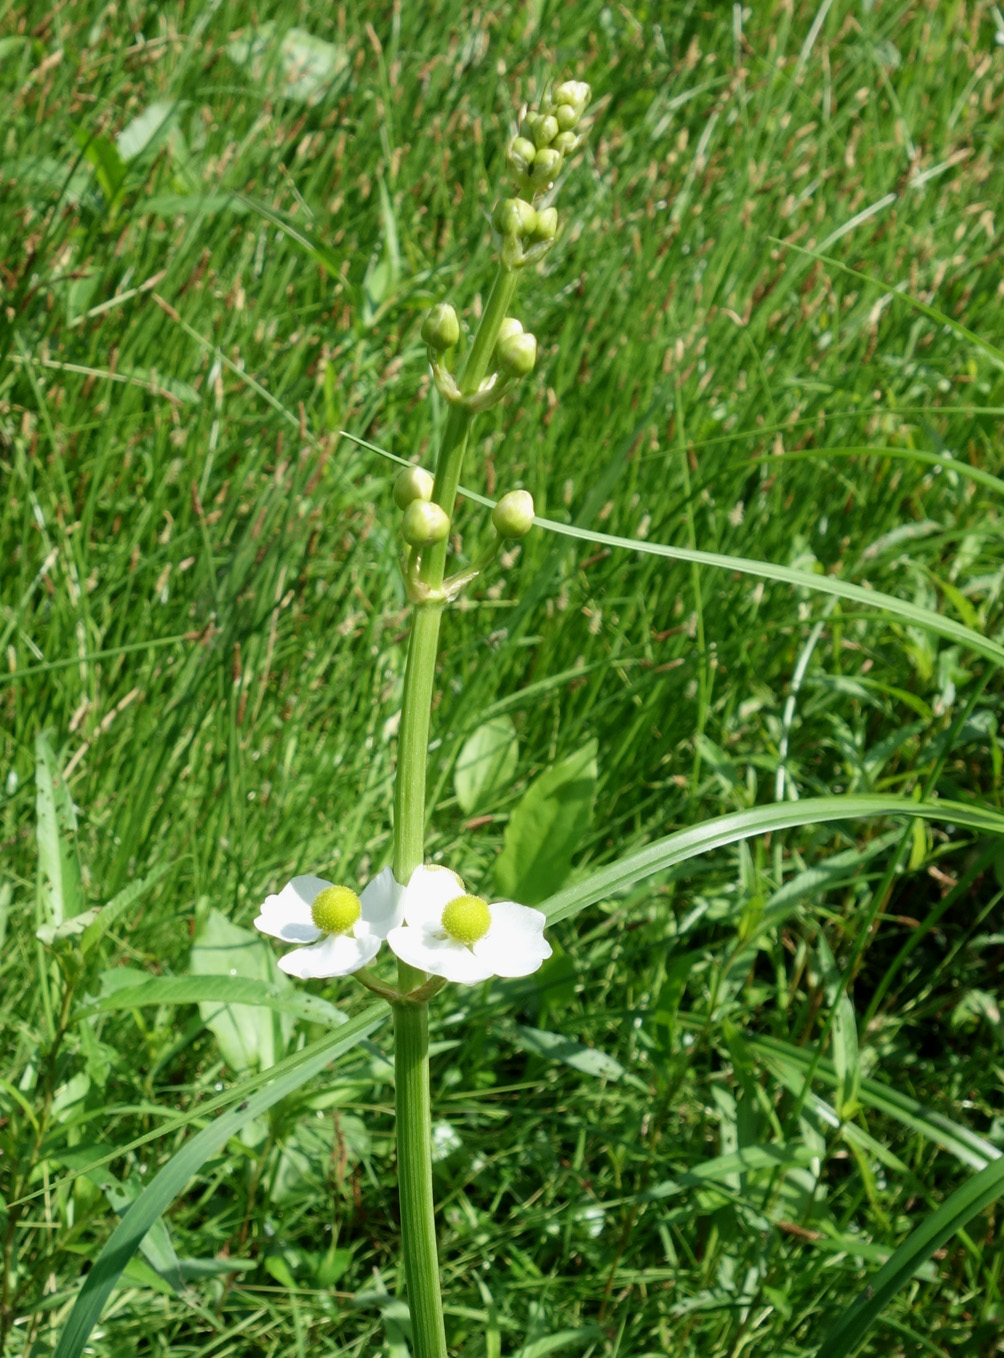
(440, 956)
(514, 944)
(335, 955)
(287, 915)
(430, 890)
(382, 903)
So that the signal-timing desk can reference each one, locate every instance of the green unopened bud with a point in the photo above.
(565, 142)
(574, 93)
(424, 523)
(441, 329)
(513, 515)
(545, 132)
(514, 217)
(517, 354)
(520, 155)
(526, 127)
(412, 483)
(567, 117)
(547, 224)
(546, 165)
(509, 327)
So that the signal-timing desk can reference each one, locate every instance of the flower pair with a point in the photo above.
(433, 924)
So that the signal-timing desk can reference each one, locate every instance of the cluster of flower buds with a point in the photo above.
(536, 154)
(423, 522)
(515, 356)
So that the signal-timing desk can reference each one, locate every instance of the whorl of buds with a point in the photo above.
(517, 353)
(441, 329)
(514, 217)
(573, 95)
(424, 523)
(513, 515)
(412, 483)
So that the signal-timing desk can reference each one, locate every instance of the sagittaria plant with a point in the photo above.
(438, 931)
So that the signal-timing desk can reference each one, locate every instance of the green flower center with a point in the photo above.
(467, 919)
(335, 910)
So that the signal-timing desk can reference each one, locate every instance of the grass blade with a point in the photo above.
(722, 830)
(852, 1327)
(162, 1191)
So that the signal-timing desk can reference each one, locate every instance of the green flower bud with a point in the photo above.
(424, 523)
(513, 515)
(565, 142)
(527, 126)
(441, 329)
(521, 153)
(412, 483)
(545, 132)
(547, 224)
(514, 217)
(509, 326)
(567, 117)
(575, 93)
(546, 165)
(517, 354)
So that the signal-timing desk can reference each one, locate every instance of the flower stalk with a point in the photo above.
(525, 233)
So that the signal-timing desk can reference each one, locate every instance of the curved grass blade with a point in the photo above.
(950, 1218)
(874, 600)
(714, 834)
(224, 989)
(162, 1191)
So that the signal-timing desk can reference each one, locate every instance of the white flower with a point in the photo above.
(461, 937)
(344, 930)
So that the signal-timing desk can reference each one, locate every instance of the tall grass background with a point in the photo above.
(769, 333)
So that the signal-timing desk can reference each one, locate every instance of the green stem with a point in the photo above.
(411, 1020)
(414, 1179)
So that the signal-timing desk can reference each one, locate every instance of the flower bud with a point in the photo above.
(441, 329)
(547, 224)
(509, 326)
(517, 354)
(545, 132)
(412, 483)
(546, 165)
(567, 117)
(520, 155)
(513, 515)
(424, 523)
(565, 142)
(575, 93)
(514, 217)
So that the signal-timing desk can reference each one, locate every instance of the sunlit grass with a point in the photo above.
(201, 605)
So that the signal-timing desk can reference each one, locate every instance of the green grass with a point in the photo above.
(200, 605)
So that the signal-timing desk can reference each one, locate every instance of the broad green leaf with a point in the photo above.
(951, 1217)
(486, 764)
(722, 1167)
(547, 827)
(303, 66)
(213, 991)
(106, 915)
(59, 890)
(563, 1339)
(722, 830)
(171, 1180)
(109, 168)
(148, 128)
(248, 1035)
(557, 1047)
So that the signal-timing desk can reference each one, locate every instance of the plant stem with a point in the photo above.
(411, 1020)
(414, 1172)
